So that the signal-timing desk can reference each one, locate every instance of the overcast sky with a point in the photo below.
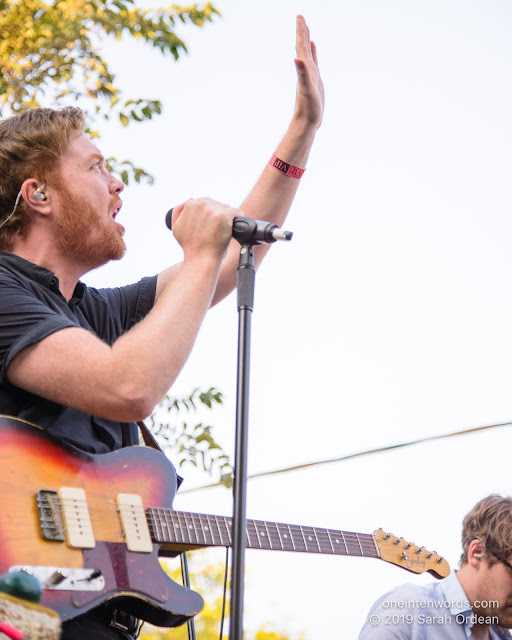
(388, 316)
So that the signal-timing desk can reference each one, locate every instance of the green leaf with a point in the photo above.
(192, 443)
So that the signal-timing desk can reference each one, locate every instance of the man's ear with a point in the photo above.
(36, 195)
(476, 552)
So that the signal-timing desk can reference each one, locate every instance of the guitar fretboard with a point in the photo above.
(193, 529)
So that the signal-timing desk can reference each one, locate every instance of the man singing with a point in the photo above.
(86, 364)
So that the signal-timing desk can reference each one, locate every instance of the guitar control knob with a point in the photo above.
(58, 576)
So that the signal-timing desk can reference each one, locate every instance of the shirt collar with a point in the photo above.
(455, 596)
(39, 274)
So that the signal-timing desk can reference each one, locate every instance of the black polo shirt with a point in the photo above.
(32, 308)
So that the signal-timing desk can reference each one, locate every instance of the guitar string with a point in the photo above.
(385, 547)
(320, 536)
(112, 510)
(323, 543)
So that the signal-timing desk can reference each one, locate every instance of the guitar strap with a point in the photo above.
(148, 437)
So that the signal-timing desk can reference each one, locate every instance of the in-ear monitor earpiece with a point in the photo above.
(39, 194)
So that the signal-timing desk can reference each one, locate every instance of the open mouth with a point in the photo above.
(117, 210)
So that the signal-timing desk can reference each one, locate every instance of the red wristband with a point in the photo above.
(12, 632)
(285, 167)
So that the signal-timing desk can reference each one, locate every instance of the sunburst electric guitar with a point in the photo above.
(91, 528)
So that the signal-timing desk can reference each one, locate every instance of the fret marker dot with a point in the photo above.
(262, 533)
(285, 535)
(337, 541)
(190, 526)
(206, 529)
(310, 538)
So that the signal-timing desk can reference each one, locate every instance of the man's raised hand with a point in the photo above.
(310, 99)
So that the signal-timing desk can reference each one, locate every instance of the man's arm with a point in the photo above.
(273, 194)
(124, 382)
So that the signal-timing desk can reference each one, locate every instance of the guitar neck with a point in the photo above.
(199, 530)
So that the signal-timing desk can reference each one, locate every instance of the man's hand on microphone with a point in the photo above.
(203, 227)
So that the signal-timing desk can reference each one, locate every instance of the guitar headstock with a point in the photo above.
(409, 556)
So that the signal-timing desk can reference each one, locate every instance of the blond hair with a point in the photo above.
(489, 521)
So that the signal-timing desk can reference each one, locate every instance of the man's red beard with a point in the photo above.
(77, 228)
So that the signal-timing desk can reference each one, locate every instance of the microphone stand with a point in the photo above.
(245, 279)
(248, 233)
(185, 575)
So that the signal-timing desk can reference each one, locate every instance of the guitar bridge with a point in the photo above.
(50, 520)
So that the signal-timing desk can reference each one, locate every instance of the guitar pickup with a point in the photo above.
(50, 521)
(134, 523)
(77, 522)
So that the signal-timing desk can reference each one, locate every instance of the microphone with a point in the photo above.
(247, 230)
